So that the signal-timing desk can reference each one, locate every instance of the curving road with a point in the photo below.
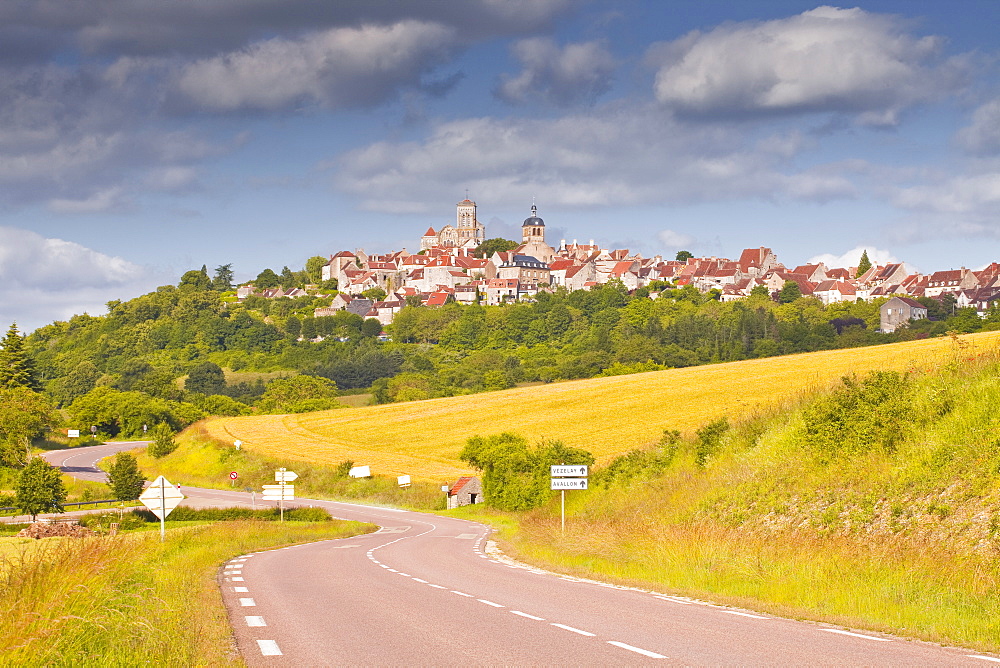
(425, 590)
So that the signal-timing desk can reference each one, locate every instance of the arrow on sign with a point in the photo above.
(285, 476)
(278, 492)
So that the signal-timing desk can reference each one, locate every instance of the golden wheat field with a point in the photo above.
(607, 416)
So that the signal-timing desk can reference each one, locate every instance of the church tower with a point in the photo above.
(533, 238)
(469, 228)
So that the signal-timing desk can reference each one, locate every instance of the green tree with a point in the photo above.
(206, 378)
(16, 367)
(375, 294)
(495, 245)
(684, 256)
(163, 441)
(760, 291)
(267, 279)
(223, 279)
(287, 278)
(39, 489)
(314, 269)
(124, 477)
(24, 415)
(864, 264)
(789, 292)
(194, 280)
(82, 379)
(299, 394)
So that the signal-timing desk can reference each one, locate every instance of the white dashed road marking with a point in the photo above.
(240, 590)
(255, 621)
(570, 628)
(490, 603)
(637, 650)
(984, 658)
(247, 602)
(461, 593)
(268, 648)
(743, 614)
(524, 614)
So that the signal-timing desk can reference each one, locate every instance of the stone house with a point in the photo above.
(466, 490)
(900, 311)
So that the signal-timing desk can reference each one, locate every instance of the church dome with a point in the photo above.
(534, 220)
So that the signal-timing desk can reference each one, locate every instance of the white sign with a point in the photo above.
(285, 476)
(278, 493)
(403, 480)
(563, 470)
(161, 497)
(73, 433)
(569, 483)
(361, 472)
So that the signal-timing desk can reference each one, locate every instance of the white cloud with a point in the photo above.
(340, 67)
(99, 202)
(982, 137)
(825, 59)
(616, 155)
(852, 257)
(562, 76)
(45, 279)
(675, 240)
(975, 196)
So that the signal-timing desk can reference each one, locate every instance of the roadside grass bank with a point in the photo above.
(873, 505)
(132, 600)
(605, 416)
(202, 461)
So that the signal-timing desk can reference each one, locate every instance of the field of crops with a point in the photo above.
(606, 416)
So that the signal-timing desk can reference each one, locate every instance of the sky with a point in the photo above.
(140, 139)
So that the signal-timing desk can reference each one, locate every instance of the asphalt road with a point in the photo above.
(426, 590)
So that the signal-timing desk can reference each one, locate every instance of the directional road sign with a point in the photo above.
(284, 476)
(278, 493)
(569, 483)
(161, 497)
(563, 470)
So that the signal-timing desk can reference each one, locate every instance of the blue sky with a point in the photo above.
(140, 139)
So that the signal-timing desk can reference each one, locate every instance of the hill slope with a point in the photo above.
(606, 416)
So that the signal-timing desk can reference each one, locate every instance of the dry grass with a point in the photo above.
(607, 416)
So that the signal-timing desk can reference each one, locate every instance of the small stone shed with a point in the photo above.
(465, 491)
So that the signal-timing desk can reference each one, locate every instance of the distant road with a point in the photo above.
(424, 591)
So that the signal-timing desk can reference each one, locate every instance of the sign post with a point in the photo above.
(161, 497)
(563, 477)
(233, 475)
(282, 491)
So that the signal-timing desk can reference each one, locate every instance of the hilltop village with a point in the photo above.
(446, 269)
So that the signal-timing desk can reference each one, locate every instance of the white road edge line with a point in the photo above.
(856, 635)
(745, 614)
(570, 628)
(524, 614)
(637, 650)
(491, 603)
(984, 658)
(461, 593)
(268, 648)
(255, 621)
(674, 600)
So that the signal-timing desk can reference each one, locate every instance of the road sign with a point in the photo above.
(161, 497)
(233, 475)
(278, 493)
(569, 483)
(562, 470)
(360, 472)
(285, 476)
(73, 433)
(403, 480)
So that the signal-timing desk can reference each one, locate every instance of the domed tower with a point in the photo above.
(533, 228)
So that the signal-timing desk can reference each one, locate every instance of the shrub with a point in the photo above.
(163, 441)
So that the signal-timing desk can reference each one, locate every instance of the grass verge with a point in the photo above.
(132, 600)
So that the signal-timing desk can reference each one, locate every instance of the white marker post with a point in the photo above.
(561, 480)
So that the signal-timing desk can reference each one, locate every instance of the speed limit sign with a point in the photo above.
(233, 475)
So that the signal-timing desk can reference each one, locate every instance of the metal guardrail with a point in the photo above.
(80, 503)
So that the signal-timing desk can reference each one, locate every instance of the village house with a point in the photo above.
(466, 491)
(899, 311)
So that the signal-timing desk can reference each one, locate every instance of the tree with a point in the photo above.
(789, 292)
(287, 278)
(24, 414)
(16, 368)
(375, 294)
(495, 245)
(194, 280)
(314, 268)
(206, 378)
(299, 394)
(223, 278)
(40, 489)
(864, 264)
(124, 477)
(163, 441)
(267, 279)
(760, 291)
(684, 256)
